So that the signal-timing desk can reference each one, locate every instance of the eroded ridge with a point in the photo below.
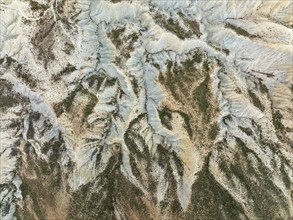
(146, 109)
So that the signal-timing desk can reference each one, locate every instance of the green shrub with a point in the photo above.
(277, 121)
(257, 103)
(214, 131)
(239, 30)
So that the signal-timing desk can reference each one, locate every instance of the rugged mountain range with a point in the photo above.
(146, 109)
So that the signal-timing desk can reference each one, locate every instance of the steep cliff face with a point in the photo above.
(146, 109)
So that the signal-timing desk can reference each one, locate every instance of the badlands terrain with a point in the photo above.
(146, 109)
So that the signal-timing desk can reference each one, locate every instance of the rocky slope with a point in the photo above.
(146, 109)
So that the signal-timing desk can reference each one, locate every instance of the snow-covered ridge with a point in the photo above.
(110, 77)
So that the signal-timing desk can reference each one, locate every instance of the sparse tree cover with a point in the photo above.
(126, 109)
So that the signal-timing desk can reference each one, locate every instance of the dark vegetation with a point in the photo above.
(115, 1)
(31, 130)
(113, 186)
(209, 200)
(138, 157)
(35, 6)
(187, 123)
(275, 148)
(263, 88)
(247, 131)
(66, 104)
(68, 48)
(135, 86)
(118, 37)
(39, 193)
(28, 79)
(10, 60)
(171, 203)
(15, 124)
(28, 191)
(255, 100)
(277, 121)
(178, 163)
(110, 82)
(285, 177)
(262, 190)
(19, 69)
(67, 70)
(239, 31)
(134, 166)
(2, 61)
(95, 81)
(188, 65)
(54, 149)
(171, 26)
(164, 156)
(90, 106)
(206, 66)
(115, 36)
(192, 25)
(213, 132)
(132, 38)
(129, 47)
(179, 78)
(44, 38)
(170, 80)
(8, 98)
(175, 27)
(136, 120)
(7, 61)
(6, 203)
(226, 51)
(166, 117)
(255, 177)
(201, 96)
(227, 118)
(132, 139)
(140, 161)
